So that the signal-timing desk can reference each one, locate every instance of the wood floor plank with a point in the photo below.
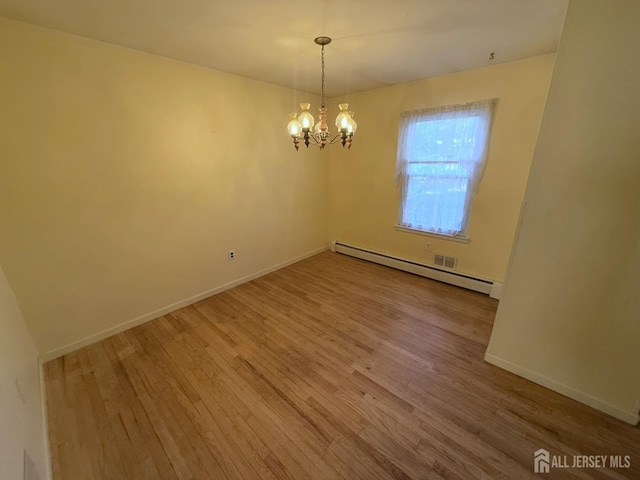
(331, 368)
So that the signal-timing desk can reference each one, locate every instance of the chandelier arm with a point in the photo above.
(336, 137)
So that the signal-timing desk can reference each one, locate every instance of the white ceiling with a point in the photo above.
(375, 42)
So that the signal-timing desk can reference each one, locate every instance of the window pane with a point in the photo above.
(435, 203)
(445, 139)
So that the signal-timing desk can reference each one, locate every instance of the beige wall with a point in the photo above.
(364, 199)
(21, 423)
(570, 315)
(126, 178)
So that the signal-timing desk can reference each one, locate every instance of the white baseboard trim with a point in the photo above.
(58, 352)
(451, 277)
(48, 475)
(496, 290)
(629, 417)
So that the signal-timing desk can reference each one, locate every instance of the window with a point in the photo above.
(441, 157)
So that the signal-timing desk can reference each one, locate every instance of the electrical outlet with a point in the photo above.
(427, 246)
(232, 254)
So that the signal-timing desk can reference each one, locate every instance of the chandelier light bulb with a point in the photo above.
(353, 126)
(342, 120)
(306, 119)
(294, 126)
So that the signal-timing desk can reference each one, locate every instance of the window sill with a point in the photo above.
(457, 238)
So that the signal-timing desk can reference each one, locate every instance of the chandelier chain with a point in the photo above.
(322, 56)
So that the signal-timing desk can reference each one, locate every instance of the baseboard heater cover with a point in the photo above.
(428, 271)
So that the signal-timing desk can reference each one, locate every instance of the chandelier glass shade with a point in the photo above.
(301, 127)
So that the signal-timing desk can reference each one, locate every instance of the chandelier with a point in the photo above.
(302, 127)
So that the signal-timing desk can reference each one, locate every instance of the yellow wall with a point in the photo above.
(126, 177)
(364, 199)
(570, 313)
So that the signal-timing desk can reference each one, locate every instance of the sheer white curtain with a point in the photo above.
(441, 157)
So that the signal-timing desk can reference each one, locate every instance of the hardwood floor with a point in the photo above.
(332, 368)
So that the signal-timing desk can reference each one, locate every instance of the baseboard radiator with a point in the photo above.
(428, 271)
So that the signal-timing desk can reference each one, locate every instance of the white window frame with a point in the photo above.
(472, 160)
